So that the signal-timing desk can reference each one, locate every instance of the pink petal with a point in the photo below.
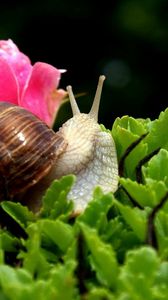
(7, 47)
(54, 103)
(8, 83)
(43, 81)
(18, 61)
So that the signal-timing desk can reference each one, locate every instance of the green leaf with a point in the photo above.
(95, 214)
(137, 276)
(8, 242)
(21, 214)
(145, 195)
(98, 293)
(14, 283)
(157, 167)
(161, 226)
(121, 237)
(103, 128)
(60, 233)
(9, 275)
(133, 159)
(44, 237)
(33, 259)
(125, 131)
(103, 259)
(63, 280)
(55, 201)
(157, 137)
(135, 218)
(18, 284)
(162, 274)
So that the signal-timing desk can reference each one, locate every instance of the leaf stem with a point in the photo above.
(151, 235)
(80, 270)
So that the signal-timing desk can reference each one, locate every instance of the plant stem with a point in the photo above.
(151, 235)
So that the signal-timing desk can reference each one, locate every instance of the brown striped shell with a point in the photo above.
(28, 149)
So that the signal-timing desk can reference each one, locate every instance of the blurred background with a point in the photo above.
(127, 40)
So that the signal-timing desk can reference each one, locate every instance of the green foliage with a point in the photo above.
(55, 201)
(157, 168)
(137, 277)
(135, 218)
(116, 249)
(102, 258)
(18, 212)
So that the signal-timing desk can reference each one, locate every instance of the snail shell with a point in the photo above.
(33, 155)
(28, 149)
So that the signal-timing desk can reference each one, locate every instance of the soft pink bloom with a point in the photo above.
(32, 87)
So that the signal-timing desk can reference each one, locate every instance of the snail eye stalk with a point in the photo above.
(96, 102)
(74, 106)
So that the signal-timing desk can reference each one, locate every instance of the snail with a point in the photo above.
(32, 155)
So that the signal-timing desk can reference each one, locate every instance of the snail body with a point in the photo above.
(32, 155)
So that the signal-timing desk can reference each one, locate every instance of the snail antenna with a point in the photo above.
(74, 106)
(95, 106)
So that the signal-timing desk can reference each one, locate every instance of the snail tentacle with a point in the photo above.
(74, 106)
(96, 102)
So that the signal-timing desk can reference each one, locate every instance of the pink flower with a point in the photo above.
(32, 87)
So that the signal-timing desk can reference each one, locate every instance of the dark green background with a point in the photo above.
(127, 40)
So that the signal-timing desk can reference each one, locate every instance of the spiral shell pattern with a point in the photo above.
(28, 149)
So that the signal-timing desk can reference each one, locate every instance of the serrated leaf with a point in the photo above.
(15, 283)
(138, 274)
(103, 259)
(125, 131)
(60, 233)
(145, 122)
(18, 284)
(120, 237)
(103, 128)
(157, 167)
(8, 242)
(8, 274)
(114, 229)
(133, 159)
(135, 218)
(96, 211)
(55, 201)
(98, 293)
(157, 137)
(145, 195)
(21, 214)
(62, 278)
(150, 262)
(33, 259)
